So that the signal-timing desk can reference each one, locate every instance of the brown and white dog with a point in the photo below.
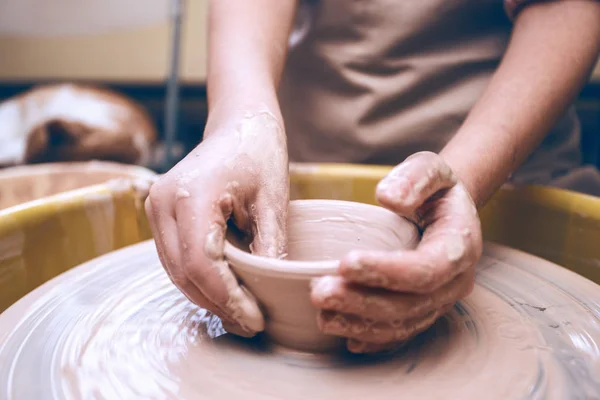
(73, 122)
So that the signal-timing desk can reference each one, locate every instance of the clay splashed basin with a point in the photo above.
(320, 232)
(31, 182)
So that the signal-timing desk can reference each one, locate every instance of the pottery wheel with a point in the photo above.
(116, 328)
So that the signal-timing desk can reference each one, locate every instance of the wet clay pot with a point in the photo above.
(320, 232)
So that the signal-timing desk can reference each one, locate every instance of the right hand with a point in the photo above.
(239, 173)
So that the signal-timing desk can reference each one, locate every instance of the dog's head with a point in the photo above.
(61, 140)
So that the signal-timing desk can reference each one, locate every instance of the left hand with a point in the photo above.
(380, 299)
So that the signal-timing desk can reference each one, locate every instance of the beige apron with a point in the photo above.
(373, 81)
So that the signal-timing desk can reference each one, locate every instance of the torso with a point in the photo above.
(375, 81)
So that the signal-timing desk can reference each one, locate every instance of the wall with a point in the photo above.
(104, 40)
(126, 43)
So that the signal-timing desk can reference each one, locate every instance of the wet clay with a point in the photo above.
(117, 327)
(320, 232)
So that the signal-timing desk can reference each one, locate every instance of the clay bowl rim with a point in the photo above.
(296, 269)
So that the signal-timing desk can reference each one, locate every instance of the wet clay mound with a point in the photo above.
(117, 328)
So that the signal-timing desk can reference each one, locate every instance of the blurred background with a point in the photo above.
(130, 46)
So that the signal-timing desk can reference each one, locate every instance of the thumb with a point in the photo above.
(410, 184)
(269, 229)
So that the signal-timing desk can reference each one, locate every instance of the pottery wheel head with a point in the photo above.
(117, 328)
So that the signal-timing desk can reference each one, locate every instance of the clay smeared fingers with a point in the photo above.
(333, 293)
(167, 245)
(454, 213)
(203, 259)
(201, 225)
(166, 240)
(425, 189)
(363, 347)
(164, 229)
(197, 297)
(196, 220)
(269, 227)
(377, 332)
(401, 271)
(449, 247)
(153, 217)
(413, 181)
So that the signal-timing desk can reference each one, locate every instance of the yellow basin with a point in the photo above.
(558, 225)
(30, 182)
(43, 238)
(54, 216)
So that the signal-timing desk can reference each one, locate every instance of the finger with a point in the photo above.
(166, 237)
(164, 231)
(202, 227)
(413, 181)
(152, 217)
(420, 272)
(361, 347)
(451, 244)
(333, 293)
(236, 329)
(269, 226)
(377, 332)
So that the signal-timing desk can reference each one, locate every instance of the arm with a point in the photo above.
(247, 49)
(239, 173)
(551, 54)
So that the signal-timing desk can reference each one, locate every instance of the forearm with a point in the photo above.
(552, 51)
(247, 50)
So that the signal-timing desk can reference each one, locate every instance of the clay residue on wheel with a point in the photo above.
(117, 328)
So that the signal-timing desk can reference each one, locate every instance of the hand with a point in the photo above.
(380, 299)
(239, 173)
